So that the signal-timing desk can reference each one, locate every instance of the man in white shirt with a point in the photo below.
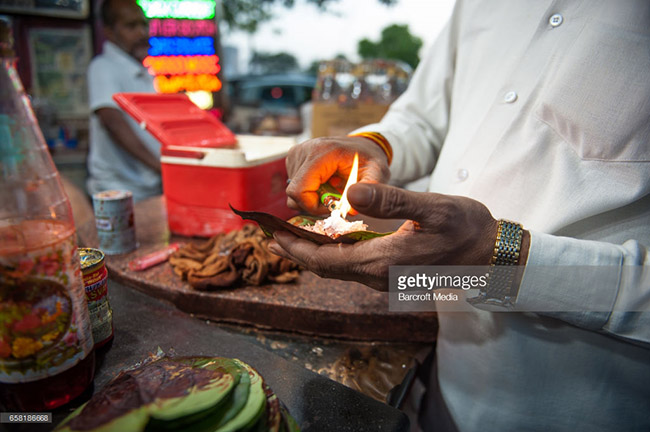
(536, 112)
(122, 155)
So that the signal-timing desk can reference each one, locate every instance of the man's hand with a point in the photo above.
(440, 230)
(314, 162)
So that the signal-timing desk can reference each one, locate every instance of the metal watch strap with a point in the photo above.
(501, 289)
(508, 244)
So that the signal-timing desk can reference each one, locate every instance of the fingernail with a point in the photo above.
(361, 194)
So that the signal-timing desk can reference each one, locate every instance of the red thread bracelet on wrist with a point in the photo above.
(378, 139)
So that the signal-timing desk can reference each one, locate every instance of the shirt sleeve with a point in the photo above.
(416, 123)
(101, 86)
(594, 285)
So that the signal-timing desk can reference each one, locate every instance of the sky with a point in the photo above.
(311, 35)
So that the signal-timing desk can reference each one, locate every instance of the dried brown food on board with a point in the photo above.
(238, 257)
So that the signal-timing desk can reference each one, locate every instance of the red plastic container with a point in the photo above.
(174, 120)
(205, 167)
(200, 183)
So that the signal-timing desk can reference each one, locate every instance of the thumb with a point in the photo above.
(388, 202)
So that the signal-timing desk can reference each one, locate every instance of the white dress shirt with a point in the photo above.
(110, 166)
(541, 111)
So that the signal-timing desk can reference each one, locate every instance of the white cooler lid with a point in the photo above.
(250, 150)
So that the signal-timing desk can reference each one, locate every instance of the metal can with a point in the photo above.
(95, 277)
(115, 222)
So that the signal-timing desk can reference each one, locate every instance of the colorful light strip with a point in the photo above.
(178, 83)
(181, 27)
(180, 65)
(203, 45)
(183, 9)
(182, 46)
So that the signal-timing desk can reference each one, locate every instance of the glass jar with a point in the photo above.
(46, 345)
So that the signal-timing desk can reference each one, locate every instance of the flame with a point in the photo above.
(344, 205)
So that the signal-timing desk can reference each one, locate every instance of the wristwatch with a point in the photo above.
(502, 287)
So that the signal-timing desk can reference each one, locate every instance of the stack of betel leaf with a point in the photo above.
(198, 394)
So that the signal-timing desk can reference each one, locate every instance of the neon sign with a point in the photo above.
(189, 9)
(181, 27)
(181, 65)
(203, 45)
(182, 54)
(177, 83)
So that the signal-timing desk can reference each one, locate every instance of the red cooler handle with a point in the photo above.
(191, 154)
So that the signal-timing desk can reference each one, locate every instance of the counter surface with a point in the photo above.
(142, 324)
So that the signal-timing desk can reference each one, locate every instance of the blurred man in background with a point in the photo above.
(122, 155)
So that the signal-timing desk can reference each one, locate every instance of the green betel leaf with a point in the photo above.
(221, 413)
(135, 420)
(192, 394)
(364, 235)
(163, 392)
(270, 224)
(254, 407)
(199, 398)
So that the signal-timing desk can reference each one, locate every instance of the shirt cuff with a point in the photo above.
(574, 280)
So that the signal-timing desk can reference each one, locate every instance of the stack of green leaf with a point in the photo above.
(198, 394)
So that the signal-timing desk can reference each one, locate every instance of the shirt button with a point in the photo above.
(462, 174)
(510, 97)
(555, 20)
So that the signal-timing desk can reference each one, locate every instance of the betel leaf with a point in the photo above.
(238, 396)
(205, 392)
(254, 407)
(162, 386)
(251, 406)
(270, 224)
(136, 420)
(223, 412)
(363, 235)
(306, 220)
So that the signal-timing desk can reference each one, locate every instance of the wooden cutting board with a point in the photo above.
(312, 305)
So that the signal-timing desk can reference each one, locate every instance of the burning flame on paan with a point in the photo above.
(344, 205)
(336, 225)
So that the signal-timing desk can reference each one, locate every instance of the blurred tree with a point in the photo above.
(266, 63)
(247, 15)
(396, 43)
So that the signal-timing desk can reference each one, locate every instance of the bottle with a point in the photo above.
(326, 89)
(46, 345)
(359, 90)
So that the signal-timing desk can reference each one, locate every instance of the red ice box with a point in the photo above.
(199, 183)
(205, 167)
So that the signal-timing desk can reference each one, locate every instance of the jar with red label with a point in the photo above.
(95, 277)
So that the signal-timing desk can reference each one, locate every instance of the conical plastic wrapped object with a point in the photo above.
(46, 356)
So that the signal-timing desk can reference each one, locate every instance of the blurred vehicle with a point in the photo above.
(268, 104)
